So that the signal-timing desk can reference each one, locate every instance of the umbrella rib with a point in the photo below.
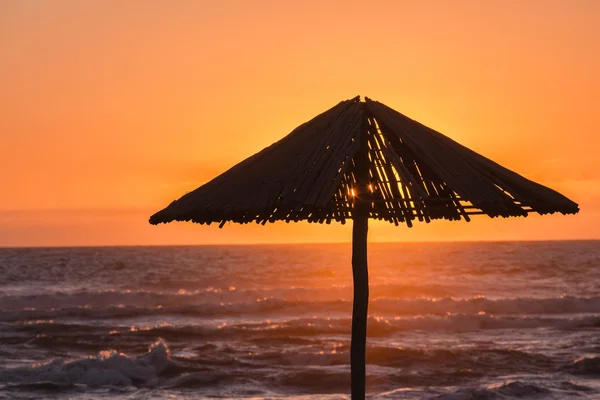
(444, 167)
(312, 173)
(405, 175)
(321, 196)
(386, 183)
(394, 186)
(306, 156)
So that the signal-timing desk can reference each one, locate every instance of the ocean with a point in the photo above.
(447, 321)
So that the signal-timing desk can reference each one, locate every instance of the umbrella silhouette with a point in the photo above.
(361, 160)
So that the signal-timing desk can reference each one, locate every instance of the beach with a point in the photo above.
(473, 320)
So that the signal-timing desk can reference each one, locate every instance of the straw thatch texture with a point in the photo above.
(414, 173)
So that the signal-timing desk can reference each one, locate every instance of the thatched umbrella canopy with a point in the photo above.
(361, 160)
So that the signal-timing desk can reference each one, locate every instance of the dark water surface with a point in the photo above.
(447, 321)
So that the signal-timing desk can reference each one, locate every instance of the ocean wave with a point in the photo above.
(443, 364)
(587, 366)
(317, 367)
(382, 327)
(516, 389)
(551, 389)
(108, 368)
(272, 349)
(142, 304)
(55, 332)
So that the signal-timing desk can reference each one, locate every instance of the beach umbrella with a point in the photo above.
(361, 160)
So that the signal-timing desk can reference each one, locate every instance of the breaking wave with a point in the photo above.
(108, 368)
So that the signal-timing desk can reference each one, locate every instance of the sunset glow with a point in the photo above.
(112, 110)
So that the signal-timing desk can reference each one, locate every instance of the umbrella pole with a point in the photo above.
(360, 272)
(360, 275)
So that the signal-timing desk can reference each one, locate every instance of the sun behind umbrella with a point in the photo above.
(361, 160)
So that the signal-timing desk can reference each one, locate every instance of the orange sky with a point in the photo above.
(109, 110)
